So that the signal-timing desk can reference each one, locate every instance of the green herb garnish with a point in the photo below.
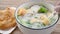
(36, 17)
(42, 10)
(44, 24)
(28, 22)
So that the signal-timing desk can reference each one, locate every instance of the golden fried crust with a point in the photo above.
(7, 19)
(8, 25)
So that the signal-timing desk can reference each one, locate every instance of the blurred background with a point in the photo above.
(15, 3)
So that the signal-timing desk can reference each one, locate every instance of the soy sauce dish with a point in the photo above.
(36, 16)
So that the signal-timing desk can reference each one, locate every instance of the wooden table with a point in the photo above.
(16, 3)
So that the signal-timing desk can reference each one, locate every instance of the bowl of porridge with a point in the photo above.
(36, 17)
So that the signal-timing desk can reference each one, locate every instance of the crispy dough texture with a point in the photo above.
(7, 19)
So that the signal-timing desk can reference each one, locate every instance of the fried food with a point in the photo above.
(7, 19)
(22, 12)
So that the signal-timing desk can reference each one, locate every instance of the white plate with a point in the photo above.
(8, 31)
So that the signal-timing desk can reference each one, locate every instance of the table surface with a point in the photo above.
(16, 3)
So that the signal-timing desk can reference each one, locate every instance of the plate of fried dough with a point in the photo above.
(7, 20)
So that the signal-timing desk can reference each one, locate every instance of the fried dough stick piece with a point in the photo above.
(7, 19)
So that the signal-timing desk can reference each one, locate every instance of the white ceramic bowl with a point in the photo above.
(27, 30)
